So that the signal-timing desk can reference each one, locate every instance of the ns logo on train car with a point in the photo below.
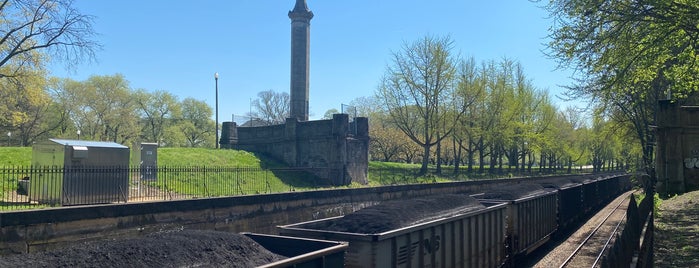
(429, 246)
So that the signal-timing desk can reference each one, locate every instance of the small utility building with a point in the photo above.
(78, 172)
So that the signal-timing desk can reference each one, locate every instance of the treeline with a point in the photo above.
(435, 108)
(102, 108)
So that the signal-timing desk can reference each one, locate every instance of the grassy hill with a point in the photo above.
(175, 157)
(380, 173)
(183, 157)
(15, 156)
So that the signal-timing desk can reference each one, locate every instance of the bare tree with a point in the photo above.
(30, 28)
(271, 107)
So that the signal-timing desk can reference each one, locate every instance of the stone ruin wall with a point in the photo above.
(332, 149)
(677, 154)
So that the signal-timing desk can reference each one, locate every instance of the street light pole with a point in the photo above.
(78, 134)
(216, 78)
(9, 136)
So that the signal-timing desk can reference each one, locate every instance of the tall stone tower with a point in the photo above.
(300, 53)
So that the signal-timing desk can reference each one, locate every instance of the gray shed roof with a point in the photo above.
(103, 144)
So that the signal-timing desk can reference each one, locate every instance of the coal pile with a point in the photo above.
(559, 183)
(398, 214)
(515, 191)
(186, 248)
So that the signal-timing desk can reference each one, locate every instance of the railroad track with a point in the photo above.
(589, 250)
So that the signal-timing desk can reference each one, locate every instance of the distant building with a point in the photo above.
(677, 154)
(91, 172)
(335, 149)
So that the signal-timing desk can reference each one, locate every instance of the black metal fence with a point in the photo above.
(37, 187)
(632, 244)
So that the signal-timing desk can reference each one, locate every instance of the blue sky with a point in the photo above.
(177, 46)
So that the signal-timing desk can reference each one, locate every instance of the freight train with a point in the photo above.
(510, 222)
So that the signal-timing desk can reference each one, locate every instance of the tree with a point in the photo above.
(29, 111)
(329, 113)
(387, 141)
(271, 107)
(32, 27)
(628, 54)
(157, 110)
(470, 89)
(418, 91)
(111, 101)
(102, 108)
(196, 123)
(367, 106)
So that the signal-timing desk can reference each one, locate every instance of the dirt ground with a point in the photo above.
(182, 248)
(677, 232)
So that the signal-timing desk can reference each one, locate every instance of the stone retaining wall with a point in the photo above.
(36, 230)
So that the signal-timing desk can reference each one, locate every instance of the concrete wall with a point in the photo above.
(677, 154)
(334, 149)
(37, 230)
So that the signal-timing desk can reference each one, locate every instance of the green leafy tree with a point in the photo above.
(387, 141)
(628, 55)
(36, 106)
(26, 106)
(157, 109)
(418, 91)
(196, 124)
(329, 113)
(114, 108)
(471, 90)
(102, 108)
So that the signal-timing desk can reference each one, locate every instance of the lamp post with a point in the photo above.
(216, 79)
(78, 134)
(9, 136)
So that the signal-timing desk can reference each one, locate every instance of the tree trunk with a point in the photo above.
(457, 154)
(493, 159)
(470, 157)
(542, 162)
(481, 156)
(501, 154)
(439, 157)
(570, 165)
(425, 159)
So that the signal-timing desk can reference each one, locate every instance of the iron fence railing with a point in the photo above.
(632, 241)
(37, 187)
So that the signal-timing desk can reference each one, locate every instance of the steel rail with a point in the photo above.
(606, 244)
(575, 252)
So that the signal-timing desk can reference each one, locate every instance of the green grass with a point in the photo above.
(390, 173)
(234, 181)
(266, 176)
(187, 157)
(258, 174)
(181, 157)
(15, 156)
